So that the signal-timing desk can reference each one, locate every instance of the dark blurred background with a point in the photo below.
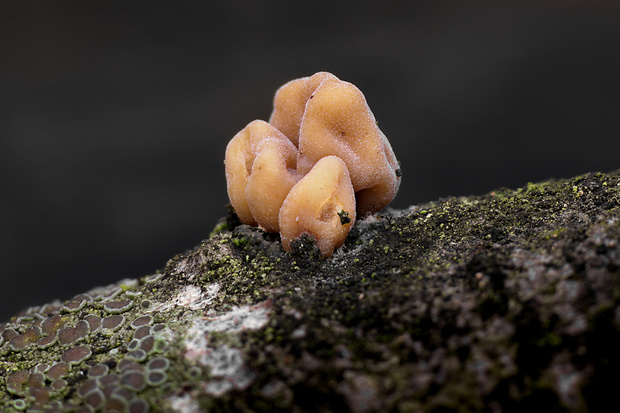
(114, 116)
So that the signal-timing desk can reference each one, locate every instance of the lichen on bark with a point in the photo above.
(501, 302)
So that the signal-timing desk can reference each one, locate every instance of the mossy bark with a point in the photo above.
(500, 302)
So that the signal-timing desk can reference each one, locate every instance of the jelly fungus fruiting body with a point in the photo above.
(260, 170)
(315, 206)
(337, 121)
(289, 103)
(271, 168)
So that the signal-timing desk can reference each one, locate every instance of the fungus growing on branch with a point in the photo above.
(320, 161)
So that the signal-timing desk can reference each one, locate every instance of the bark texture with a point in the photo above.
(502, 303)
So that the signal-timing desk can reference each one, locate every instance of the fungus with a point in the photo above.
(59, 384)
(138, 406)
(70, 335)
(9, 334)
(93, 321)
(58, 371)
(134, 380)
(137, 355)
(315, 206)
(47, 341)
(113, 322)
(87, 386)
(16, 381)
(272, 169)
(289, 103)
(337, 121)
(76, 355)
(95, 399)
(142, 332)
(116, 404)
(158, 363)
(109, 380)
(42, 368)
(142, 320)
(325, 116)
(260, 171)
(156, 377)
(158, 327)
(73, 306)
(117, 307)
(98, 370)
(147, 344)
(53, 324)
(25, 339)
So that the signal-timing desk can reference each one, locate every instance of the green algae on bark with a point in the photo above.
(500, 302)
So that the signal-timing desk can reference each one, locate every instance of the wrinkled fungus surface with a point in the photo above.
(314, 118)
(503, 302)
(316, 204)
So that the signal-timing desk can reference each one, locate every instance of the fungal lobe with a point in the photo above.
(316, 204)
(290, 102)
(338, 121)
(261, 163)
(323, 115)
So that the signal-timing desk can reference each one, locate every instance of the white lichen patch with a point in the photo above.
(191, 296)
(227, 367)
(240, 318)
(184, 404)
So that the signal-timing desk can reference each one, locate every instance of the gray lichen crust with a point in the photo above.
(502, 302)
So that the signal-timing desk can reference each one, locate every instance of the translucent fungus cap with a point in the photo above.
(260, 172)
(321, 204)
(325, 116)
(289, 103)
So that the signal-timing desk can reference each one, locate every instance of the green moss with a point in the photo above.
(219, 228)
